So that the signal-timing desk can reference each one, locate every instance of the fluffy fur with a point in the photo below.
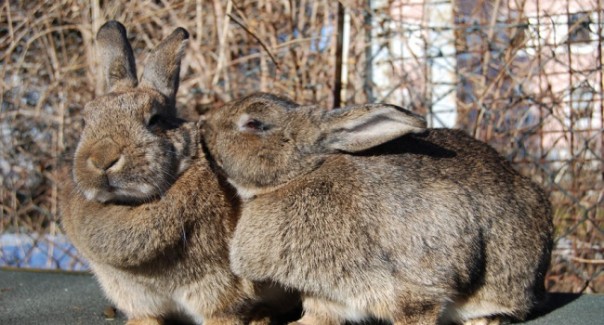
(368, 213)
(145, 207)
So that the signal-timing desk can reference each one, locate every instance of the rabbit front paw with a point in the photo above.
(263, 321)
(483, 321)
(224, 321)
(311, 320)
(145, 321)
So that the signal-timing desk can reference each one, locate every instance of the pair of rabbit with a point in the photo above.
(368, 213)
(362, 209)
(144, 205)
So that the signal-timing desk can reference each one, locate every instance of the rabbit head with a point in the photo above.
(133, 146)
(263, 140)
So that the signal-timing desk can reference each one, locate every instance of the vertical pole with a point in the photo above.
(337, 89)
(542, 154)
(570, 106)
(600, 63)
(441, 81)
(368, 83)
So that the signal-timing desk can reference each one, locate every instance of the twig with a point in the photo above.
(222, 41)
(587, 261)
(251, 33)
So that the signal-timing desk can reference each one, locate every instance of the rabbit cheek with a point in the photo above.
(264, 165)
(90, 180)
(147, 175)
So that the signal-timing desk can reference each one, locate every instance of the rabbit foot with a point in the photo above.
(483, 321)
(416, 322)
(226, 321)
(261, 321)
(309, 320)
(418, 313)
(145, 321)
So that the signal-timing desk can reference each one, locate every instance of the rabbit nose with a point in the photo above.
(105, 155)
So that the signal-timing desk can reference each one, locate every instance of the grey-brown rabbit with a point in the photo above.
(145, 207)
(370, 214)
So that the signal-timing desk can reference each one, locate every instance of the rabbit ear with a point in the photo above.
(117, 60)
(163, 67)
(357, 128)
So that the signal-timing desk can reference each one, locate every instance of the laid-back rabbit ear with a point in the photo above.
(358, 128)
(163, 66)
(115, 53)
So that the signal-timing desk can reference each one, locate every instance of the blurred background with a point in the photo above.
(523, 75)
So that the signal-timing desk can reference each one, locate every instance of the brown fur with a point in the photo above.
(145, 207)
(433, 226)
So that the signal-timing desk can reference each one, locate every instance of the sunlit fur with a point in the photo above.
(144, 205)
(424, 228)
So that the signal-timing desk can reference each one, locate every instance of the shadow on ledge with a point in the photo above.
(32, 298)
(553, 302)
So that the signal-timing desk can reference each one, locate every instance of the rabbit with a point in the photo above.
(144, 205)
(370, 214)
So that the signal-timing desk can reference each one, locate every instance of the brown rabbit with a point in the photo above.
(370, 214)
(145, 207)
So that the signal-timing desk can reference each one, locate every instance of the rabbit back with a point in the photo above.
(437, 214)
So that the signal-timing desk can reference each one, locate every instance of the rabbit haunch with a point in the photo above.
(145, 207)
(368, 213)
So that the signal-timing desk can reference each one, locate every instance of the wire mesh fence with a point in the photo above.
(523, 75)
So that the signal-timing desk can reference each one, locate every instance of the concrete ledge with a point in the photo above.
(33, 298)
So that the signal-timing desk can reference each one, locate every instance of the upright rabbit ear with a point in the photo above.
(358, 128)
(117, 60)
(163, 67)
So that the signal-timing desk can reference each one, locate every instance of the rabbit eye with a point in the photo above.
(154, 120)
(255, 125)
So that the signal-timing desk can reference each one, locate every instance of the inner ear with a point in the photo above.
(358, 128)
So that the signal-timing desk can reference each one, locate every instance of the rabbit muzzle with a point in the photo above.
(106, 156)
(110, 170)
